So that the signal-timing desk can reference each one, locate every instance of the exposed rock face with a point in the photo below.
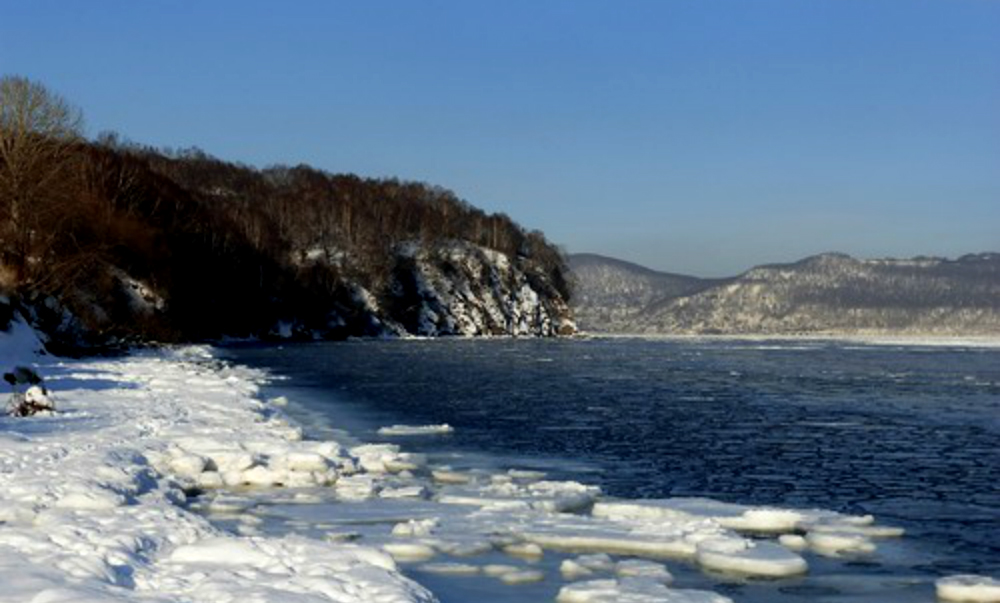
(462, 289)
(824, 294)
(443, 289)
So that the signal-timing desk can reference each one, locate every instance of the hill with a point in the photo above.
(107, 242)
(824, 294)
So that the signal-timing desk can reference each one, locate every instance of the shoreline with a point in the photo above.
(93, 504)
(874, 339)
(104, 480)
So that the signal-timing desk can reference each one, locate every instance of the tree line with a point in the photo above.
(228, 248)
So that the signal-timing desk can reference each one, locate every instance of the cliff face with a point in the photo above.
(832, 294)
(450, 288)
(456, 288)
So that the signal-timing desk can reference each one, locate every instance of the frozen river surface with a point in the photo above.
(908, 434)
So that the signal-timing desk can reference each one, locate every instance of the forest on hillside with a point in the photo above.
(108, 240)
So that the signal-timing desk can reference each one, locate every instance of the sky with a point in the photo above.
(692, 136)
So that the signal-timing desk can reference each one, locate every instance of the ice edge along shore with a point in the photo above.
(93, 503)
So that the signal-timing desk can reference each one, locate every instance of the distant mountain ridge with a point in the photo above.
(830, 293)
(610, 291)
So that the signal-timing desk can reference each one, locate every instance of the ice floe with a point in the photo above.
(413, 430)
(633, 590)
(967, 588)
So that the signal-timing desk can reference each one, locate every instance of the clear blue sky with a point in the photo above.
(699, 136)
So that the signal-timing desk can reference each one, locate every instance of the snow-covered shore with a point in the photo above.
(93, 504)
(89, 510)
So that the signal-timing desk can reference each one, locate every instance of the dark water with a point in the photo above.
(909, 434)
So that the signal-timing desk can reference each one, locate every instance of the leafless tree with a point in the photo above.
(37, 129)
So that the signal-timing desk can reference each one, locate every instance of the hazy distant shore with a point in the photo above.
(983, 341)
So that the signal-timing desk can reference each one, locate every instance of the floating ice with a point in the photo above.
(827, 533)
(968, 588)
(496, 570)
(415, 527)
(633, 590)
(413, 430)
(644, 569)
(527, 550)
(451, 569)
(409, 551)
(552, 496)
(750, 558)
(447, 476)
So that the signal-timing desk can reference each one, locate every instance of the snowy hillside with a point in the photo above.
(610, 292)
(823, 294)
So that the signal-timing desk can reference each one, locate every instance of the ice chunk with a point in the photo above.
(728, 515)
(550, 496)
(749, 558)
(409, 551)
(527, 550)
(967, 588)
(404, 492)
(451, 569)
(373, 457)
(839, 544)
(415, 527)
(306, 461)
(586, 565)
(793, 541)
(633, 590)
(357, 487)
(573, 570)
(522, 576)
(644, 569)
(188, 465)
(495, 570)
(410, 430)
(446, 476)
(465, 549)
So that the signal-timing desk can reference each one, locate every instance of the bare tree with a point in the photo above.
(37, 128)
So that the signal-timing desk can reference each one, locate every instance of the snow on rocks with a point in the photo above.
(966, 588)
(92, 499)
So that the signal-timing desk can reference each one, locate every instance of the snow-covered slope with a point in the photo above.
(836, 294)
(610, 292)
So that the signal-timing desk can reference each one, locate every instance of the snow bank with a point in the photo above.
(19, 344)
(92, 500)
